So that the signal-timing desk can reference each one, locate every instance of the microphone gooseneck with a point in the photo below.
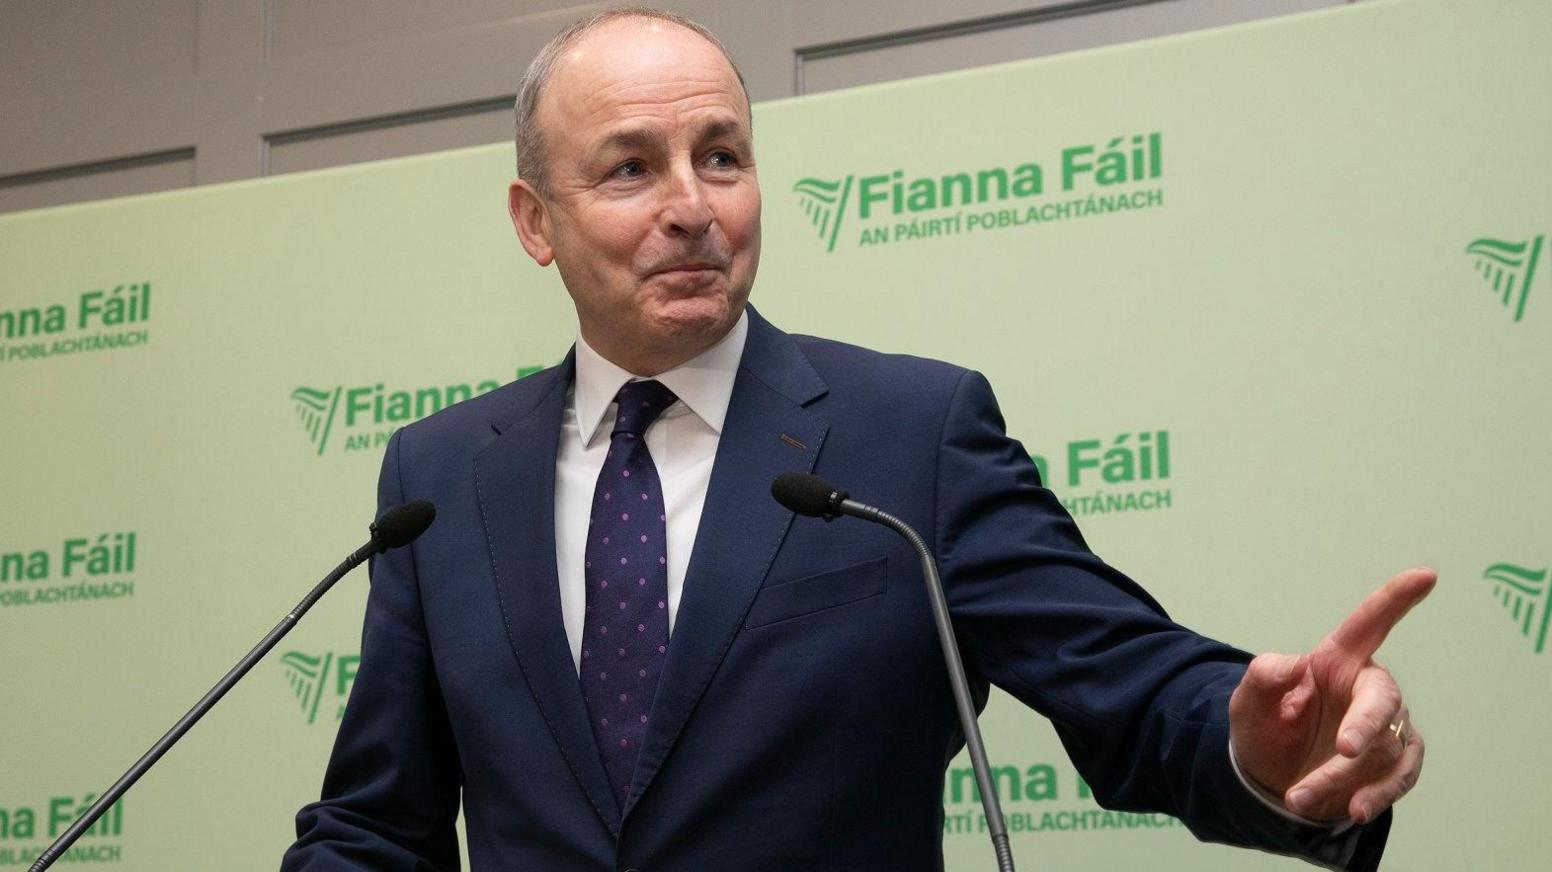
(397, 527)
(813, 497)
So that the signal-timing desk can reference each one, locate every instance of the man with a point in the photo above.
(618, 652)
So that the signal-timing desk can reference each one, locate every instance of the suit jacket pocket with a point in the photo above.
(812, 593)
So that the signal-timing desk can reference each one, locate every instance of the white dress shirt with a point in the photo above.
(683, 443)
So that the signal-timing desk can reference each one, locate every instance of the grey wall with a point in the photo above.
(102, 98)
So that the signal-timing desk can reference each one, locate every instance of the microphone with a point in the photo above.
(808, 495)
(813, 497)
(399, 526)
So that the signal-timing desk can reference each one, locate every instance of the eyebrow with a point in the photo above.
(720, 129)
(628, 139)
(640, 137)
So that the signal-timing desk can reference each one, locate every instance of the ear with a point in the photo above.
(531, 220)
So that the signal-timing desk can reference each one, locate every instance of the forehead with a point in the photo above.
(632, 70)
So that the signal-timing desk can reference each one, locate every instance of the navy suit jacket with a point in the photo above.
(803, 720)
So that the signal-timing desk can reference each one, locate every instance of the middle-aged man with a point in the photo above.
(619, 652)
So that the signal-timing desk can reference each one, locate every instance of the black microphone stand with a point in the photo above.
(384, 534)
(809, 495)
(995, 824)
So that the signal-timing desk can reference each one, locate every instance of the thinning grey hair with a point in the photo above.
(532, 161)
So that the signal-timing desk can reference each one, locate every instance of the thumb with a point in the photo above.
(1267, 680)
(1263, 714)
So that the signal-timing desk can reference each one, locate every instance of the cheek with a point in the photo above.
(602, 239)
(741, 221)
(611, 245)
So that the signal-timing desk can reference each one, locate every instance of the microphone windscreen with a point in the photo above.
(400, 525)
(806, 494)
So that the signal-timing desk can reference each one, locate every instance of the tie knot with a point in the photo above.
(640, 404)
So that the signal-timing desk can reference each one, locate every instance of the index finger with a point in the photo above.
(1365, 629)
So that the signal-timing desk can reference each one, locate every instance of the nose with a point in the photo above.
(685, 210)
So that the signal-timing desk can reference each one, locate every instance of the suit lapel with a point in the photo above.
(515, 479)
(767, 431)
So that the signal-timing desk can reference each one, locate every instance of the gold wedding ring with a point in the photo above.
(1399, 730)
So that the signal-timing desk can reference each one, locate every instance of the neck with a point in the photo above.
(644, 363)
(651, 360)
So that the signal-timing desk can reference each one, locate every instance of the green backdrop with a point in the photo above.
(1271, 305)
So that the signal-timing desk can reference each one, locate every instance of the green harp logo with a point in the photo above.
(1523, 593)
(316, 409)
(1508, 268)
(825, 204)
(307, 676)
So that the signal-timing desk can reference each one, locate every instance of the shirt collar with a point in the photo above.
(704, 383)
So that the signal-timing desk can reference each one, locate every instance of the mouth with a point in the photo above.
(691, 270)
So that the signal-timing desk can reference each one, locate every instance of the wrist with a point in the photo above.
(1275, 803)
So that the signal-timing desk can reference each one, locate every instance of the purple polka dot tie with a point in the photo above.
(625, 636)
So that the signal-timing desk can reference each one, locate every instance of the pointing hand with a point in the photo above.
(1328, 731)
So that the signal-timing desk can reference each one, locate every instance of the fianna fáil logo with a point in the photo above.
(366, 416)
(892, 206)
(825, 204)
(1523, 593)
(1037, 797)
(97, 320)
(91, 567)
(1508, 268)
(316, 408)
(26, 830)
(1128, 472)
(314, 676)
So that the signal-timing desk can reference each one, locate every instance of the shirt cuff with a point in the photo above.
(1275, 804)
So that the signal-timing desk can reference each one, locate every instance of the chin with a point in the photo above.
(688, 317)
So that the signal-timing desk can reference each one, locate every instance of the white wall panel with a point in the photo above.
(303, 27)
(396, 137)
(52, 48)
(242, 88)
(1051, 28)
(119, 178)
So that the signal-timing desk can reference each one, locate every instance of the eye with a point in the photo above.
(722, 159)
(631, 169)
